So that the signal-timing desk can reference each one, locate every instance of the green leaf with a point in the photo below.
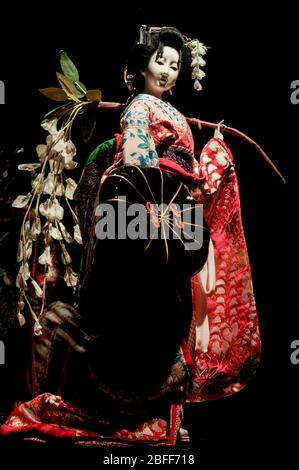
(68, 67)
(56, 94)
(68, 86)
(80, 94)
(81, 89)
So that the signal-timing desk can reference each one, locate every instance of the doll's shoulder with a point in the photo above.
(139, 108)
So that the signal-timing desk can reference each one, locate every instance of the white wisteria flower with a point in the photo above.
(50, 125)
(197, 85)
(65, 256)
(20, 253)
(52, 210)
(20, 283)
(37, 184)
(67, 150)
(70, 277)
(36, 228)
(68, 238)
(57, 164)
(23, 276)
(54, 232)
(21, 201)
(201, 48)
(27, 231)
(52, 186)
(25, 244)
(28, 166)
(46, 151)
(198, 48)
(70, 188)
(77, 234)
(21, 319)
(21, 305)
(37, 329)
(37, 288)
(49, 184)
(44, 200)
(198, 73)
(28, 249)
(59, 189)
(45, 257)
(198, 61)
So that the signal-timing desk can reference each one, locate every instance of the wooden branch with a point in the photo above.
(110, 105)
(199, 123)
(231, 130)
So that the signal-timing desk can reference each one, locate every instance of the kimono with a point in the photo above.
(131, 363)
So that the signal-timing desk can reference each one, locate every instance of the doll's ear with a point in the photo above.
(142, 71)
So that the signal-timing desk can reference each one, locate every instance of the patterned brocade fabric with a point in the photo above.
(148, 123)
(234, 349)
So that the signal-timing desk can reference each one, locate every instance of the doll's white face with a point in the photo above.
(161, 74)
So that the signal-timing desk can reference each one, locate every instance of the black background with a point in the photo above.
(252, 60)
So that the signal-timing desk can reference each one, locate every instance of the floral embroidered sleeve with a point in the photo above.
(215, 162)
(138, 147)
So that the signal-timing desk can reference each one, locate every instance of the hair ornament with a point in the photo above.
(198, 49)
(145, 34)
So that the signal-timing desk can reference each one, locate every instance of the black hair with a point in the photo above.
(140, 54)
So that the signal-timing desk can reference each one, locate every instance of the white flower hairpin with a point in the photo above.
(198, 49)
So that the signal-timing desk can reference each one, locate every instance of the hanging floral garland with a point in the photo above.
(51, 196)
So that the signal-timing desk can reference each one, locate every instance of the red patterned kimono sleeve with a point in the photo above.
(215, 162)
(234, 348)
